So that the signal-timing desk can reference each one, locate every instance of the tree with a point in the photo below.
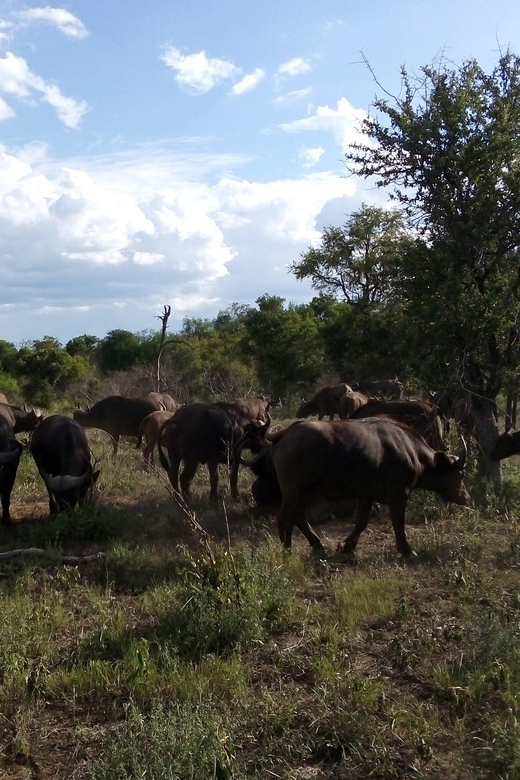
(449, 146)
(46, 367)
(119, 350)
(83, 346)
(356, 262)
(285, 345)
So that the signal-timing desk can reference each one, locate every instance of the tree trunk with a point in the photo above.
(483, 412)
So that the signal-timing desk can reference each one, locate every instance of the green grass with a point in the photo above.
(172, 658)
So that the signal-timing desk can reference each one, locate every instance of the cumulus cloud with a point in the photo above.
(343, 122)
(249, 82)
(310, 157)
(92, 249)
(18, 80)
(196, 73)
(294, 67)
(65, 22)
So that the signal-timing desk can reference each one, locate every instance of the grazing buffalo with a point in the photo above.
(384, 388)
(370, 460)
(19, 419)
(422, 416)
(60, 449)
(10, 451)
(202, 433)
(165, 401)
(351, 402)
(118, 416)
(254, 407)
(326, 402)
(506, 445)
(150, 431)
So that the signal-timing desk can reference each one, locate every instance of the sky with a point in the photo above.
(186, 153)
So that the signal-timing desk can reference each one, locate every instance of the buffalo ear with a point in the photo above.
(95, 475)
(444, 461)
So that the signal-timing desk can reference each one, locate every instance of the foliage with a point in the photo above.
(46, 366)
(284, 344)
(357, 262)
(450, 145)
(119, 350)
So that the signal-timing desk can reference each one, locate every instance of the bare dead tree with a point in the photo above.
(164, 317)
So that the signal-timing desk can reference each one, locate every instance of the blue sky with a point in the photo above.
(186, 153)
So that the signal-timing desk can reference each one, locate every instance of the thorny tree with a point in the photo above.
(449, 146)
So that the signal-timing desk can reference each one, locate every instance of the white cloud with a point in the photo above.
(290, 97)
(147, 258)
(343, 122)
(310, 157)
(6, 112)
(249, 82)
(197, 73)
(294, 67)
(17, 79)
(66, 22)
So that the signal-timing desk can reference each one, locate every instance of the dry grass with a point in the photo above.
(165, 660)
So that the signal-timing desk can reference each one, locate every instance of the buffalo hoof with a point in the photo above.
(410, 556)
(318, 553)
(7, 522)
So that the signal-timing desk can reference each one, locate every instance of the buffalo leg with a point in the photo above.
(173, 470)
(362, 514)
(286, 522)
(188, 472)
(8, 476)
(397, 510)
(148, 455)
(53, 504)
(213, 480)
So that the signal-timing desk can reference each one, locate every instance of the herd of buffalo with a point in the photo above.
(381, 447)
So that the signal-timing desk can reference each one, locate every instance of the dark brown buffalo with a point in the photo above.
(326, 402)
(351, 402)
(370, 460)
(384, 388)
(10, 451)
(254, 407)
(19, 419)
(202, 433)
(150, 431)
(118, 416)
(506, 445)
(422, 416)
(60, 449)
(165, 401)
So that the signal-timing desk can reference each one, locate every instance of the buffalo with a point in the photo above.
(19, 419)
(165, 401)
(326, 402)
(61, 452)
(506, 445)
(202, 433)
(370, 460)
(150, 431)
(254, 407)
(422, 416)
(10, 452)
(351, 402)
(118, 416)
(391, 389)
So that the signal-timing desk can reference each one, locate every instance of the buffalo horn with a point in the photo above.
(461, 461)
(254, 460)
(66, 482)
